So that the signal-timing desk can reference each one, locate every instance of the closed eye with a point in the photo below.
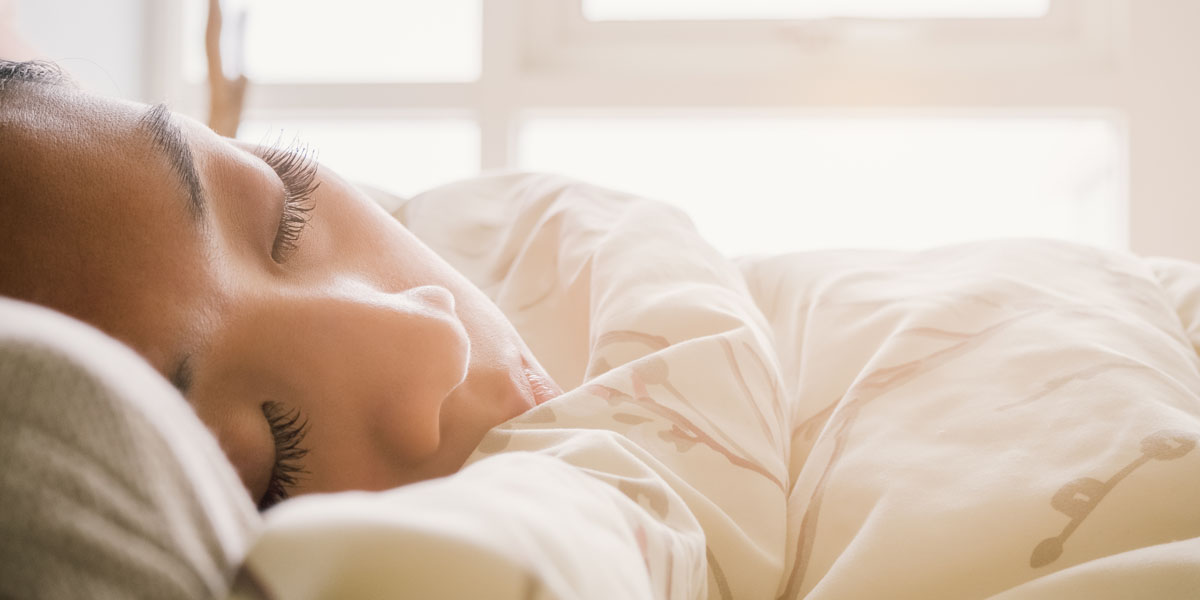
(296, 166)
(288, 429)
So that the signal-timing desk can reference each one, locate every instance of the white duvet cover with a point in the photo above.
(1012, 419)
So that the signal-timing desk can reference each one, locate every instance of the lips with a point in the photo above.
(542, 387)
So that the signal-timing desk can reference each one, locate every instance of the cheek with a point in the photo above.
(242, 432)
(369, 370)
(375, 400)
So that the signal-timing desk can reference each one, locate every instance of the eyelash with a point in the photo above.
(296, 166)
(288, 428)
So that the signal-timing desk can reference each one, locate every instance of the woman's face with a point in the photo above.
(261, 298)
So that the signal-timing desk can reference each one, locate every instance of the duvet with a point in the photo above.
(1008, 419)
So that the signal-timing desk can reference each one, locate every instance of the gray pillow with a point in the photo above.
(110, 486)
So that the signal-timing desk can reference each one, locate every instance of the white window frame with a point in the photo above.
(542, 54)
(1074, 34)
(543, 57)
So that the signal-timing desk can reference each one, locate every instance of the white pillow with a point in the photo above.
(111, 487)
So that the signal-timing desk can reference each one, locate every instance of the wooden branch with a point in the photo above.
(226, 96)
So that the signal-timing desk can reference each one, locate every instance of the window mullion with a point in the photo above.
(494, 96)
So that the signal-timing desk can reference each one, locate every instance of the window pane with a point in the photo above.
(403, 156)
(768, 185)
(347, 41)
(628, 10)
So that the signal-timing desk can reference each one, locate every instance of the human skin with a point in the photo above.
(398, 363)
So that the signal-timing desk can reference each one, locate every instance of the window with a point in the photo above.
(631, 10)
(797, 183)
(822, 123)
(350, 41)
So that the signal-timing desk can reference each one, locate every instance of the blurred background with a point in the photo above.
(778, 124)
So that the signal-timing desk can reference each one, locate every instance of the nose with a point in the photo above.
(387, 359)
(428, 339)
(417, 354)
(436, 299)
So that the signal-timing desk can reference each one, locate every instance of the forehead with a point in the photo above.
(67, 149)
(92, 222)
(71, 155)
(63, 118)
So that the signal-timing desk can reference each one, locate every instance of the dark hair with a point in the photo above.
(32, 71)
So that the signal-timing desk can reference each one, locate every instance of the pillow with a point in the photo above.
(111, 487)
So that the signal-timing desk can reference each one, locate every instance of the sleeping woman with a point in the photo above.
(323, 344)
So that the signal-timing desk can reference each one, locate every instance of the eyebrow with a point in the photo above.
(170, 139)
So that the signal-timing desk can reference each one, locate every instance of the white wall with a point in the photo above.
(100, 42)
(1162, 97)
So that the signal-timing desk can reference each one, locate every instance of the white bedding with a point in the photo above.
(1011, 419)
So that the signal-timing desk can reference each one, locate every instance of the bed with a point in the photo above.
(1003, 419)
